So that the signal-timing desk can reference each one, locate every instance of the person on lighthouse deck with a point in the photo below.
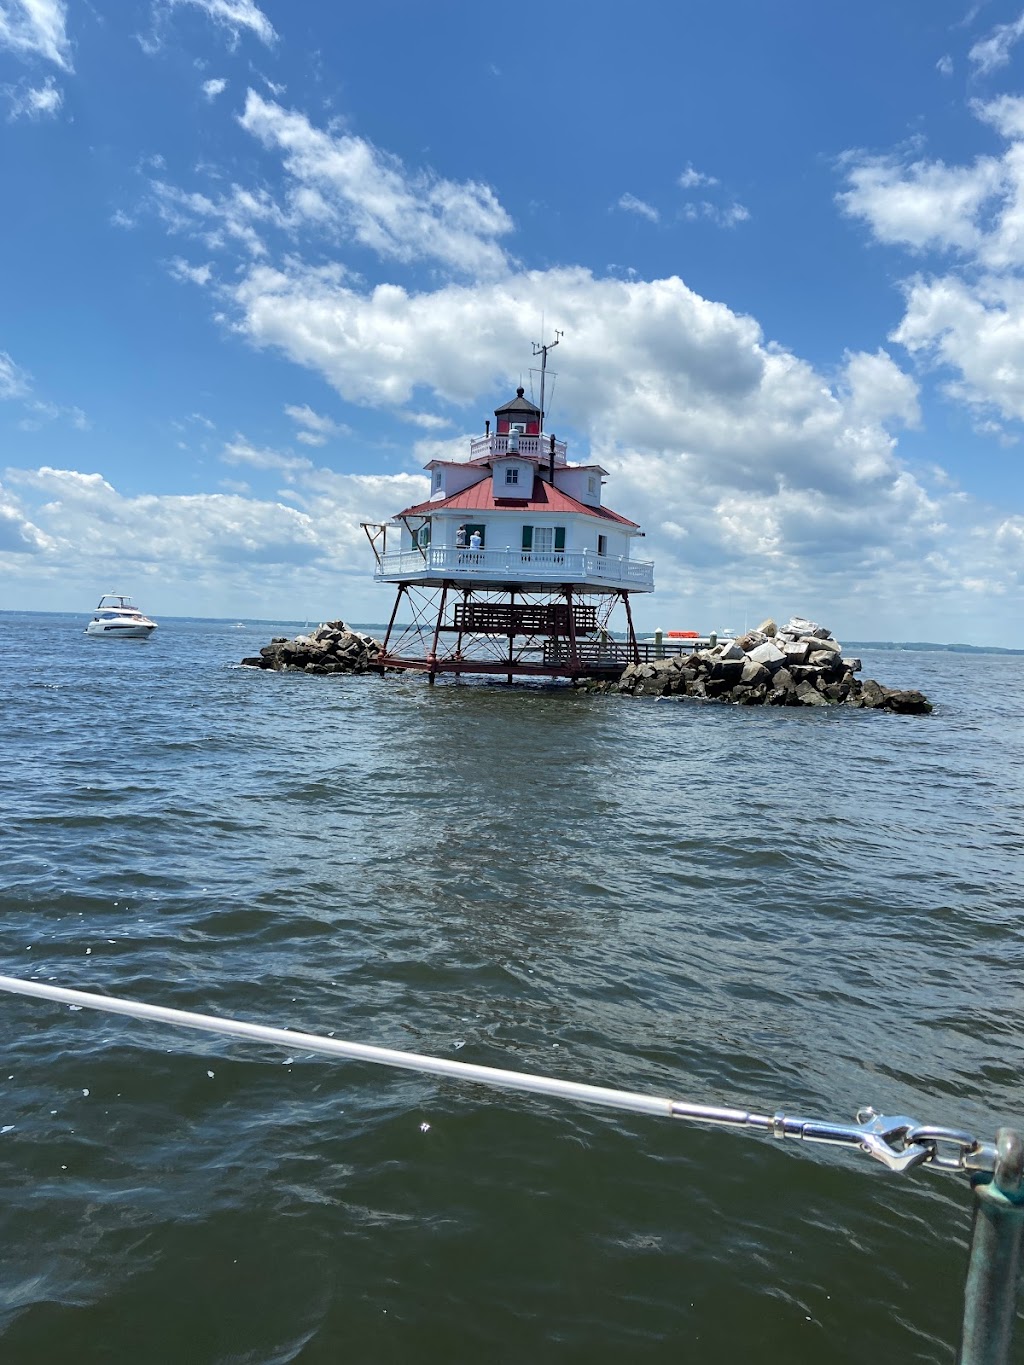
(460, 538)
(475, 541)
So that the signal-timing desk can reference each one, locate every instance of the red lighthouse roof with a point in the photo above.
(480, 497)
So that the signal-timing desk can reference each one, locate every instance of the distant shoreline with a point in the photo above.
(905, 646)
(924, 647)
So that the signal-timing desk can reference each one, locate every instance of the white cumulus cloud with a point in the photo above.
(316, 429)
(629, 203)
(921, 204)
(36, 28)
(34, 102)
(237, 16)
(241, 452)
(14, 381)
(340, 189)
(879, 391)
(18, 535)
(962, 316)
(690, 179)
(238, 554)
(343, 182)
(993, 51)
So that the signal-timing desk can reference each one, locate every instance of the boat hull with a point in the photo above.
(129, 630)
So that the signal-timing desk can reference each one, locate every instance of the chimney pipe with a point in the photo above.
(551, 462)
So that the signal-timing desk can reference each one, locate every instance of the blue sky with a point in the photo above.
(261, 261)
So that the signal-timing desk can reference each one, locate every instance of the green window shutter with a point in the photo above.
(559, 537)
(527, 537)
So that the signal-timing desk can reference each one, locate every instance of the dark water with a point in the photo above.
(769, 909)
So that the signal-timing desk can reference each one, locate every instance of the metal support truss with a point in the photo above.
(454, 628)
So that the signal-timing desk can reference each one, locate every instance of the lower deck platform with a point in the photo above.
(455, 630)
(553, 659)
(517, 668)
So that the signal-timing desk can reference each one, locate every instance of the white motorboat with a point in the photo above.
(117, 617)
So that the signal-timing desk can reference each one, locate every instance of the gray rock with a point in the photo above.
(754, 673)
(907, 703)
(796, 651)
(331, 648)
(799, 625)
(767, 653)
(729, 671)
(751, 640)
(809, 695)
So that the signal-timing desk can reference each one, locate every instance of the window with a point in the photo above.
(511, 475)
(437, 479)
(544, 539)
(602, 545)
(472, 526)
(592, 484)
(517, 426)
(422, 536)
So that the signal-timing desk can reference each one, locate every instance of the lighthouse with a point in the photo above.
(514, 565)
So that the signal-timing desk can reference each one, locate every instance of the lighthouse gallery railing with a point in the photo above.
(554, 566)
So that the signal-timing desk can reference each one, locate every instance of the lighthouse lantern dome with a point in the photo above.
(519, 414)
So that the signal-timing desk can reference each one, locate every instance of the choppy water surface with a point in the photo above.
(768, 909)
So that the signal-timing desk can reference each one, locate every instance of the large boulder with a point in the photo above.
(332, 648)
(801, 664)
(768, 653)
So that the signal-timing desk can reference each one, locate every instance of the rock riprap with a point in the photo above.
(798, 664)
(332, 648)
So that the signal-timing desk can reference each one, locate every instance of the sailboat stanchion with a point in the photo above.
(993, 1271)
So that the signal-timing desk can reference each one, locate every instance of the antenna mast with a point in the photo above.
(542, 351)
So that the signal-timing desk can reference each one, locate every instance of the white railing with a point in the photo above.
(556, 566)
(528, 445)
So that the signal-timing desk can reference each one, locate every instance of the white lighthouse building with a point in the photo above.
(514, 565)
